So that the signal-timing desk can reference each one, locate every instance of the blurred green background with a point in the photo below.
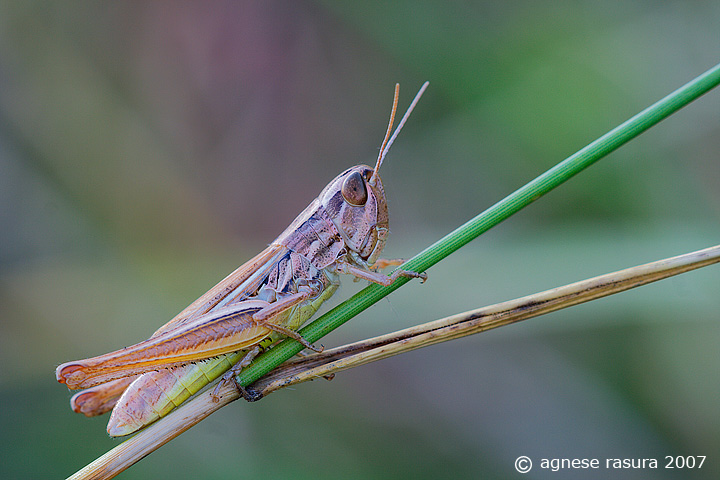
(147, 149)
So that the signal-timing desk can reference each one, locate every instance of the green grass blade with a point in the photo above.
(503, 209)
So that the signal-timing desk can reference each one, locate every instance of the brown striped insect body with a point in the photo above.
(343, 230)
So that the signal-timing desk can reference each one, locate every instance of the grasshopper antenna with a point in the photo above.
(381, 155)
(387, 144)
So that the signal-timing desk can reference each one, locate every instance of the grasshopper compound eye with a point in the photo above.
(354, 191)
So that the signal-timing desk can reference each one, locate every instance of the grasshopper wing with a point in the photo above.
(237, 286)
(234, 288)
(223, 330)
(100, 398)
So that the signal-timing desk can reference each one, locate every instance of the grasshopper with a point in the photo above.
(343, 231)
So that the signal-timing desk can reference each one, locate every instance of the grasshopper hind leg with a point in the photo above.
(263, 317)
(231, 375)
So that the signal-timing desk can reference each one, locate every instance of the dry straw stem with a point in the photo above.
(360, 353)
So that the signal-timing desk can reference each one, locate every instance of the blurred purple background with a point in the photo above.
(148, 149)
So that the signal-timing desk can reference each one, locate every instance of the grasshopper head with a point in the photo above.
(355, 200)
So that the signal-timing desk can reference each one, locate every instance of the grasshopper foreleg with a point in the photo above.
(376, 277)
